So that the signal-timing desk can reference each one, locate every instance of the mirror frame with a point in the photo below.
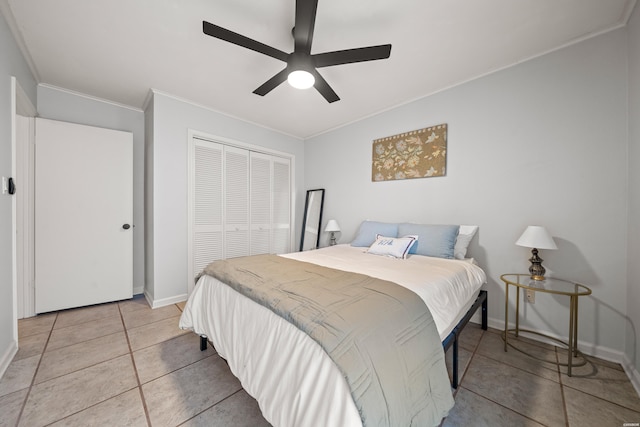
(306, 216)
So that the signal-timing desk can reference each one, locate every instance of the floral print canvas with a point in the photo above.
(420, 153)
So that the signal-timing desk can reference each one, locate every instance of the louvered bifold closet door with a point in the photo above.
(281, 206)
(208, 243)
(236, 201)
(260, 202)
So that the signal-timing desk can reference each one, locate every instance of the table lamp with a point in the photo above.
(536, 237)
(332, 227)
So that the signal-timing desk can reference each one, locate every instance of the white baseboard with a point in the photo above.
(137, 290)
(156, 303)
(7, 357)
(632, 373)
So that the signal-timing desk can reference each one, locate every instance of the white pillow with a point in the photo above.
(465, 235)
(396, 247)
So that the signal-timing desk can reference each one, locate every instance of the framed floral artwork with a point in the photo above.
(420, 153)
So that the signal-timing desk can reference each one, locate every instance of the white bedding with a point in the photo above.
(447, 286)
(292, 378)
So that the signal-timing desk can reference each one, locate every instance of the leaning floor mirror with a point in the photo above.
(312, 220)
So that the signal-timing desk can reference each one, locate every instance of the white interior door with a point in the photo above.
(83, 215)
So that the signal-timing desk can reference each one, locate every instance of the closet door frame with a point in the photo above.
(195, 134)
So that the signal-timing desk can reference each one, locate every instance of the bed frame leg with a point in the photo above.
(203, 342)
(454, 374)
(484, 311)
(452, 338)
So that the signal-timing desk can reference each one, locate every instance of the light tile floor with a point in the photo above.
(124, 364)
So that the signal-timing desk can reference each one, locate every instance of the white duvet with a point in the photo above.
(294, 381)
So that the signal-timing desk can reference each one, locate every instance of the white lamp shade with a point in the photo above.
(537, 237)
(301, 79)
(332, 225)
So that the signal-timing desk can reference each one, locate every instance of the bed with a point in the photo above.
(293, 377)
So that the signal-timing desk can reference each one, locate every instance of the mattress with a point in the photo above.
(292, 378)
(447, 286)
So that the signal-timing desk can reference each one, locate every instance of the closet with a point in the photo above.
(239, 203)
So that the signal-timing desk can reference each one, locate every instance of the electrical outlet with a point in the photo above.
(531, 296)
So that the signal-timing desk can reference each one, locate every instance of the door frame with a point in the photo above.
(22, 161)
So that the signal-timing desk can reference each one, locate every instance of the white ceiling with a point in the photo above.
(119, 49)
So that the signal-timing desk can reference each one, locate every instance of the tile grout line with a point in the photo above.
(473, 355)
(461, 379)
(169, 373)
(210, 407)
(135, 369)
(50, 379)
(130, 352)
(192, 363)
(35, 373)
(595, 396)
(83, 342)
(460, 384)
(564, 399)
(502, 405)
(488, 356)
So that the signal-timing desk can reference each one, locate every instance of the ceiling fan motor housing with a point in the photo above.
(300, 61)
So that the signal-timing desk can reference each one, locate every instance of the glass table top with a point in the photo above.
(549, 284)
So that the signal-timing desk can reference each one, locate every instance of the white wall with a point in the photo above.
(59, 104)
(543, 142)
(172, 118)
(632, 349)
(11, 64)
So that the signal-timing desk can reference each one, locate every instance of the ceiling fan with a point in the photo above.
(301, 64)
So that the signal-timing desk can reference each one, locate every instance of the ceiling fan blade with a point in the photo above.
(240, 40)
(305, 21)
(272, 83)
(349, 56)
(323, 87)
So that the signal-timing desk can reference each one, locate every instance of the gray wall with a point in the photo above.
(540, 143)
(58, 104)
(11, 64)
(632, 349)
(172, 118)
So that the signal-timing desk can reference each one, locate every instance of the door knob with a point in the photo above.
(126, 226)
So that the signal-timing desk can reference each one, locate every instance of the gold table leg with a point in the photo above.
(506, 314)
(517, 311)
(572, 331)
(575, 330)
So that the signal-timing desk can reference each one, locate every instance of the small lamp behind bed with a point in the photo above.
(536, 237)
(332, 227)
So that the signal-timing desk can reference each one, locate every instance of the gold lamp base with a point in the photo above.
(536, 269)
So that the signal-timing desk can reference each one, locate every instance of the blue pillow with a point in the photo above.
(433, 240)
(370, 229)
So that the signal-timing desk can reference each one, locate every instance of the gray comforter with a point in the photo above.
(380, 335)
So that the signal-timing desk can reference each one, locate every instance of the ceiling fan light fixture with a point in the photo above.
(301, 79)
